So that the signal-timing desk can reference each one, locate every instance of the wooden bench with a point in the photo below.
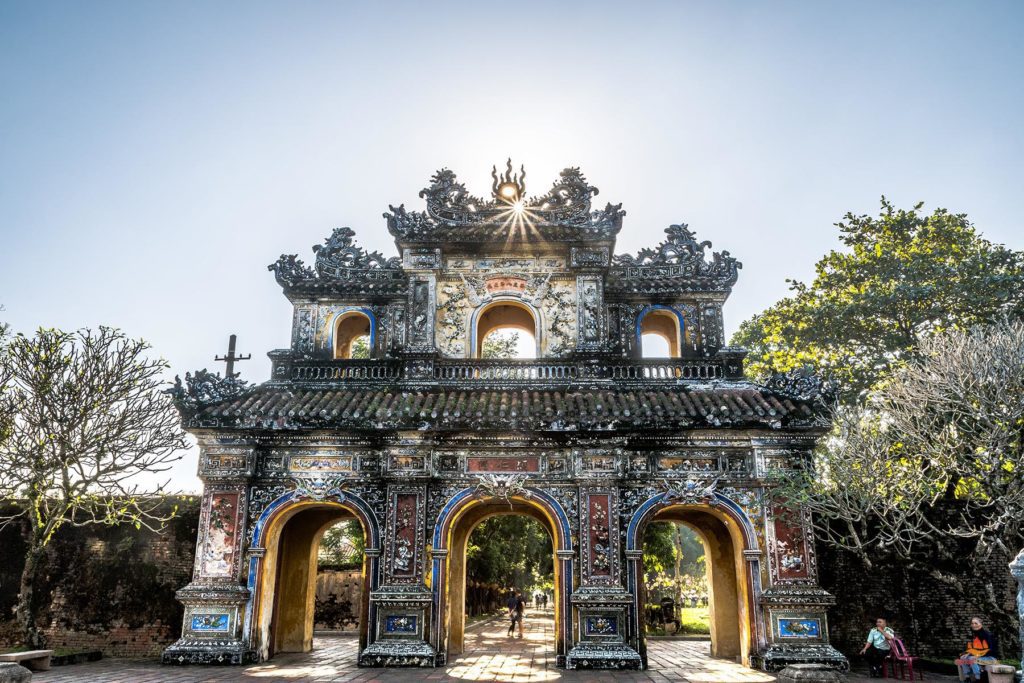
(34, 660)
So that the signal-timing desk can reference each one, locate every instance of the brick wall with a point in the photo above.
(930, 617)
(107, 588)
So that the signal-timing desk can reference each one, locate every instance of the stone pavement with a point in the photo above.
(490, 656)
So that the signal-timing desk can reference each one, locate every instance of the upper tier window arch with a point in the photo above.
(354, 334)
(505, 314)
(660, 326)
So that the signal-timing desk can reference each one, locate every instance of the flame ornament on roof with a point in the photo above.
(563, 213)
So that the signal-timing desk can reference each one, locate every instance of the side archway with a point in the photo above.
(456, 521)
(733, 557)
(282, 570)
(665, 322)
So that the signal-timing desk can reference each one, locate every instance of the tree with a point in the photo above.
(904, 274)
(500, 344)
(928, 473)
(342, 546)
(360, 347)
(491, 558)
(88, 417)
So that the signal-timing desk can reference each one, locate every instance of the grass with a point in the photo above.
(693, 621)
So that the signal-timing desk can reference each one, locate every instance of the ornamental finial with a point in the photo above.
(508, 187)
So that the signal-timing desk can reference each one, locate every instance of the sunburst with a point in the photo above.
(518, 221)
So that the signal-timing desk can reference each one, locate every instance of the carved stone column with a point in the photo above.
(215, 599)
(794, 606)
(400, 607)
(602, 604)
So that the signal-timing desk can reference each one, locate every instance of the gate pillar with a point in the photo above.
(602, 604)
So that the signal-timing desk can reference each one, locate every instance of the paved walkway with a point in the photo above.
(490, 656)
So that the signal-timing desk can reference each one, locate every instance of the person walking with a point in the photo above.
(878, 646)
(511, 604)
(520, 610)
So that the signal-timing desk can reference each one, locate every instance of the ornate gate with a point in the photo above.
(422, 439)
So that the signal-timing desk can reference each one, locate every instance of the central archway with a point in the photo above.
(454, 526)
(504, 314)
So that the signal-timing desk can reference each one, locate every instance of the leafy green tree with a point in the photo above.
(361, 347)
(903, 274)
(342, 546)
(927, 475)
(673, 558)
(509, 550)
(500, 344)
(88, 417)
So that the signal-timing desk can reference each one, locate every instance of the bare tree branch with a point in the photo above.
(85, 416)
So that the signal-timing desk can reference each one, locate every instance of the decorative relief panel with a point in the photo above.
(597, 461)
(506, 264)
(395, 324)
(734, 463)
(404, 559)
(590, 305)
(421, 259)
(596, 257)
(790, 555)
(207, 622)
(223, 520)
(600, 551)
(712, 328)
(219, 462)
(309, 462)
(792, 627)
(302, 329)
(529, 463)
(421, 314)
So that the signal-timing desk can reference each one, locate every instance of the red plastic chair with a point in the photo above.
(902, 660)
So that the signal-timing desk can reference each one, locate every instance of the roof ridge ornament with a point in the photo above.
(452, 213)
(804, 384)
(680, 257)
(340, 263)
(203, 388)
(339, 254)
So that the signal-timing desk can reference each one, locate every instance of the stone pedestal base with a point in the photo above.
(809, 673)
(395, 653)
(778, 657)
(193, 650)
(600, 656)
(12, 672)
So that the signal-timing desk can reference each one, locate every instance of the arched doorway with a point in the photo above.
(660, 331)
(451, 537)
(285, 579)
(506, 315)
(723, 566)
(730, 548)
(353, 335)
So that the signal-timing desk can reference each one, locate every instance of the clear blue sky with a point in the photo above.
(156, 156)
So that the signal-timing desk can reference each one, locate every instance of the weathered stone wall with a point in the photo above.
(106, 588)
(345, 587)
(930, 617)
